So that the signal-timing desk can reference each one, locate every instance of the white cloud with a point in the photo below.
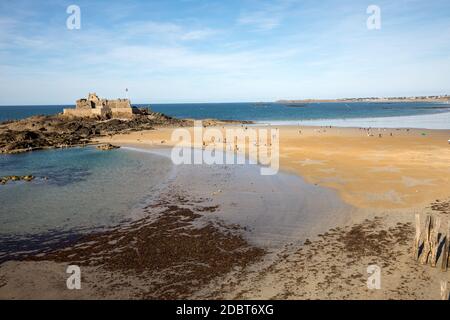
(268, 15)
(198, 34)
(260, 20)
(166, 31)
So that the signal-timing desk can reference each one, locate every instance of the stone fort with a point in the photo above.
(94, 106)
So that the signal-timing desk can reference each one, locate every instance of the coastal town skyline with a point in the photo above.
(222, 52)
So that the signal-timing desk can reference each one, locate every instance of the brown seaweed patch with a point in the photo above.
(441, 206)
(173, 257)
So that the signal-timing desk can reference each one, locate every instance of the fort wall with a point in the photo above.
(94, 106)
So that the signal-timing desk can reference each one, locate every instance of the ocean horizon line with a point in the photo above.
(135, 104)
(277, 101)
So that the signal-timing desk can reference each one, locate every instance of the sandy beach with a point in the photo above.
(380, 178)
(376, 168)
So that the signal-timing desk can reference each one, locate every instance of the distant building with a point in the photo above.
(94, 106)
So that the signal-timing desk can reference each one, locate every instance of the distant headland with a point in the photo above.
(441, 98)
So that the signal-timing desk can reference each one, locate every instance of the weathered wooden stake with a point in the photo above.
(426, 241)
(445, 290)
(445, 250)
(417, 239)
(435, 241)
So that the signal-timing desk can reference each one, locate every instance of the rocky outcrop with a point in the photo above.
(108, 146)
(40, 132)
(59, 131)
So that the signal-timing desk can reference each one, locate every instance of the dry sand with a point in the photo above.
(387, 175)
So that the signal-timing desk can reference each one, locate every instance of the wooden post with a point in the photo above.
(426, 241)
(434, 241)
(417, 238)
(445, 250)
(445, 290)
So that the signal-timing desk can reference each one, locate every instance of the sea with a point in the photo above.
(358, 114)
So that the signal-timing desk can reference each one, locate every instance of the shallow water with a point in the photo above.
(273, 210)
(76, 188)
(439, 121)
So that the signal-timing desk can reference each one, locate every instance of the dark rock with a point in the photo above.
(4, 180)
(27, 178)
(39, 132)
(107, 146)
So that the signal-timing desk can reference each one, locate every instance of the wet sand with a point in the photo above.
(334, 264)
(272, 210)
(167, 254)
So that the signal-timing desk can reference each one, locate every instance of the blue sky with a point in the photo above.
(220, 51)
